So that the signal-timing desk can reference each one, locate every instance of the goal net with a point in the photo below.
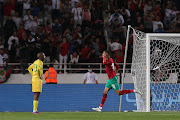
(156, 71)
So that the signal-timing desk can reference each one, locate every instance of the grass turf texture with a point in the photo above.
(90, 116)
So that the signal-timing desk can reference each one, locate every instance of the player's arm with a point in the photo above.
(105, 61)
(85, 78)
(117, 66)
(114, 65)
(96, 79)
(30, 69)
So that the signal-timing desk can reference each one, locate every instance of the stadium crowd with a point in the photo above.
(73, 30)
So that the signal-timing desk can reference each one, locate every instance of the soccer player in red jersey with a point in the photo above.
(111, 69)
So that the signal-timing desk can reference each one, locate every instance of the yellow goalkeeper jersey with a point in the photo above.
(36, 69)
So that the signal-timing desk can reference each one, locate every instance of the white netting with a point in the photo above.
(164, 71)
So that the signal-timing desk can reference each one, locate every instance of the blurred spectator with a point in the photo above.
(34, 26)
(1, 44)
(86, 15)
(116, 16)
(4, 57)
(68, 35)
(57, 27)
(20, 31)
(148, 22)
(24, 52)
(175, 13)
(74, 59)
(40, 18)
(87, 35)
(90, 77)
(19, 7)
(85, 53)
(12, 40)
(47, 12)
(116, 48)
(115, 28)
(9, 7)
(159, 29)
(40, 4)
(55, 9)
(77, 13)
(168, 16)
(73, 3)
(46, 48)
(66, 7)
(1, 16)
(141, 5)
(53, 39)
(26, 6)
(27, 20)
(77, 36)
(48, 30)
(132, 5)
(148, 7)
(157, 11)
(66, 22)
(17, 20)
(40, 33)
(9, 28)
(63, 53)
(55, 62)
(93, 58)
(156, 24)
(138, 22)
(23, 47)
(126, 14)
(13, 43)
(96, 46)
(38, 45)
(31, 42)
(35, 9)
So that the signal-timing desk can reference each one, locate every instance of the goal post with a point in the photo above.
(155, 70)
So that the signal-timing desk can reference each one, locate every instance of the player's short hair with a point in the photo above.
(107, 52)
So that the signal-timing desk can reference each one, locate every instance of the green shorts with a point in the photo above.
(112, 83)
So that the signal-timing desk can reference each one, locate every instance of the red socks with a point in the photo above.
(103, 100)
(120, 93)
(125, 92)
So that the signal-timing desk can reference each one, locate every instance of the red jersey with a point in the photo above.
(85, 52)
(108, 66)
(64, 48)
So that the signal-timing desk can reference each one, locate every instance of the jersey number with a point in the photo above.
(35, 68)
(113, 86)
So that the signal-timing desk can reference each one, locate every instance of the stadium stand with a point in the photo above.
(27, 27)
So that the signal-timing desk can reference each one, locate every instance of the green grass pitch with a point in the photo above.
(90, 116)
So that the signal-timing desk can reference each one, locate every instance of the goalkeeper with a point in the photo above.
(36, 69)
(112, 83)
